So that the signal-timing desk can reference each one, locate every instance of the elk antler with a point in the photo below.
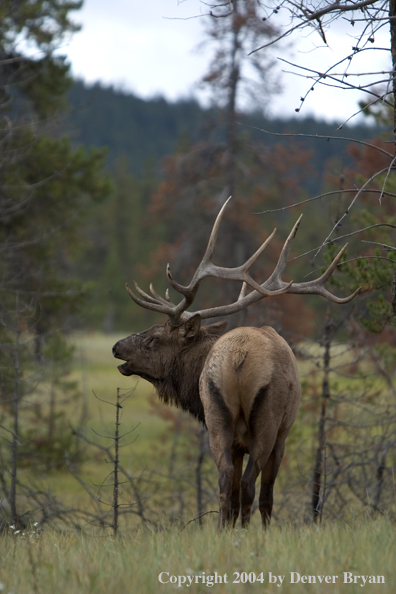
(271, 287)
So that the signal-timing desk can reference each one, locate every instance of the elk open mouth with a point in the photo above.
(125, 369)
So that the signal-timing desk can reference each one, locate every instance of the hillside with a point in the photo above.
(146, 130)
(141, 130)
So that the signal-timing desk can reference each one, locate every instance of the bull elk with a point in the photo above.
(243, 385)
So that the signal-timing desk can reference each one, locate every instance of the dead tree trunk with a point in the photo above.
(392, 22)
(198, 471)
(15, 411)
(317, 501)
(116, 464)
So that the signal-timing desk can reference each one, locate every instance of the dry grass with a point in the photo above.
(83, 564)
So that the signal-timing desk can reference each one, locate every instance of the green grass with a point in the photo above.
(81, 564)
(96, 370)
(97, 377)
(132, 563)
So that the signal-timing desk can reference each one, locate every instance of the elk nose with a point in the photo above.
(114, 350)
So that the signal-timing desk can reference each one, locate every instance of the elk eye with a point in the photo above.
(152, 341)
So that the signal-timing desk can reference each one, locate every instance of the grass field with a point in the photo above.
(93, 561)
(96, 370)
(65, 564)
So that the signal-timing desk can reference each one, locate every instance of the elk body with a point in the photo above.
(243, 384)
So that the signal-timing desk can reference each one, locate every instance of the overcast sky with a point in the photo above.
(150, 47)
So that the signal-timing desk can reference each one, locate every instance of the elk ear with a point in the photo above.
(192, 326)
(216, 329)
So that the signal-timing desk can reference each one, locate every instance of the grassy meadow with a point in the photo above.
(161, 445)
(135, 563)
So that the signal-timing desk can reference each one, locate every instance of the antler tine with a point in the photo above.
(207, 269)
(258, 253)
(190, 291)
(316, 286)
(215, 231)
(147, 302)
(167, 301)
(327, 274)
(143, 294)
(331, 297)
(179, 288)
(242, 294)
(159, 305)
(276, 277)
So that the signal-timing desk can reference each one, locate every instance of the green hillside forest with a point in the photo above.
(145, 131)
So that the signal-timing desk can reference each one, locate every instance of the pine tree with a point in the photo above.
(45, 190)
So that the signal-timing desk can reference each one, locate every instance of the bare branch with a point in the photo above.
(319, 136)
(349, 207)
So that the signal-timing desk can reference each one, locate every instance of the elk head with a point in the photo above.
(139, 350)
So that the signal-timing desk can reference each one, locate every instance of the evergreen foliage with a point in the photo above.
(46, 186)
(119, 238)
(128, 126)
(371, 263)
(45, 190)
(148, 130)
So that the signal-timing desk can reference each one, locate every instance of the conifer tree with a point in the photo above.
(45, 189)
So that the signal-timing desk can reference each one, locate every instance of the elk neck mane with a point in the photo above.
(181, 386)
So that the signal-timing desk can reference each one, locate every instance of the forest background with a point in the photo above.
(99, 187)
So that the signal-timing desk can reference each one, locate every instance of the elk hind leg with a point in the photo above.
(268, 476)
(220, 422)
(237, 460)
(262, 437)
(226, 476)
(248, 489)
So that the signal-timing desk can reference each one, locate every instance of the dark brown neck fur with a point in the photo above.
(181, 386)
